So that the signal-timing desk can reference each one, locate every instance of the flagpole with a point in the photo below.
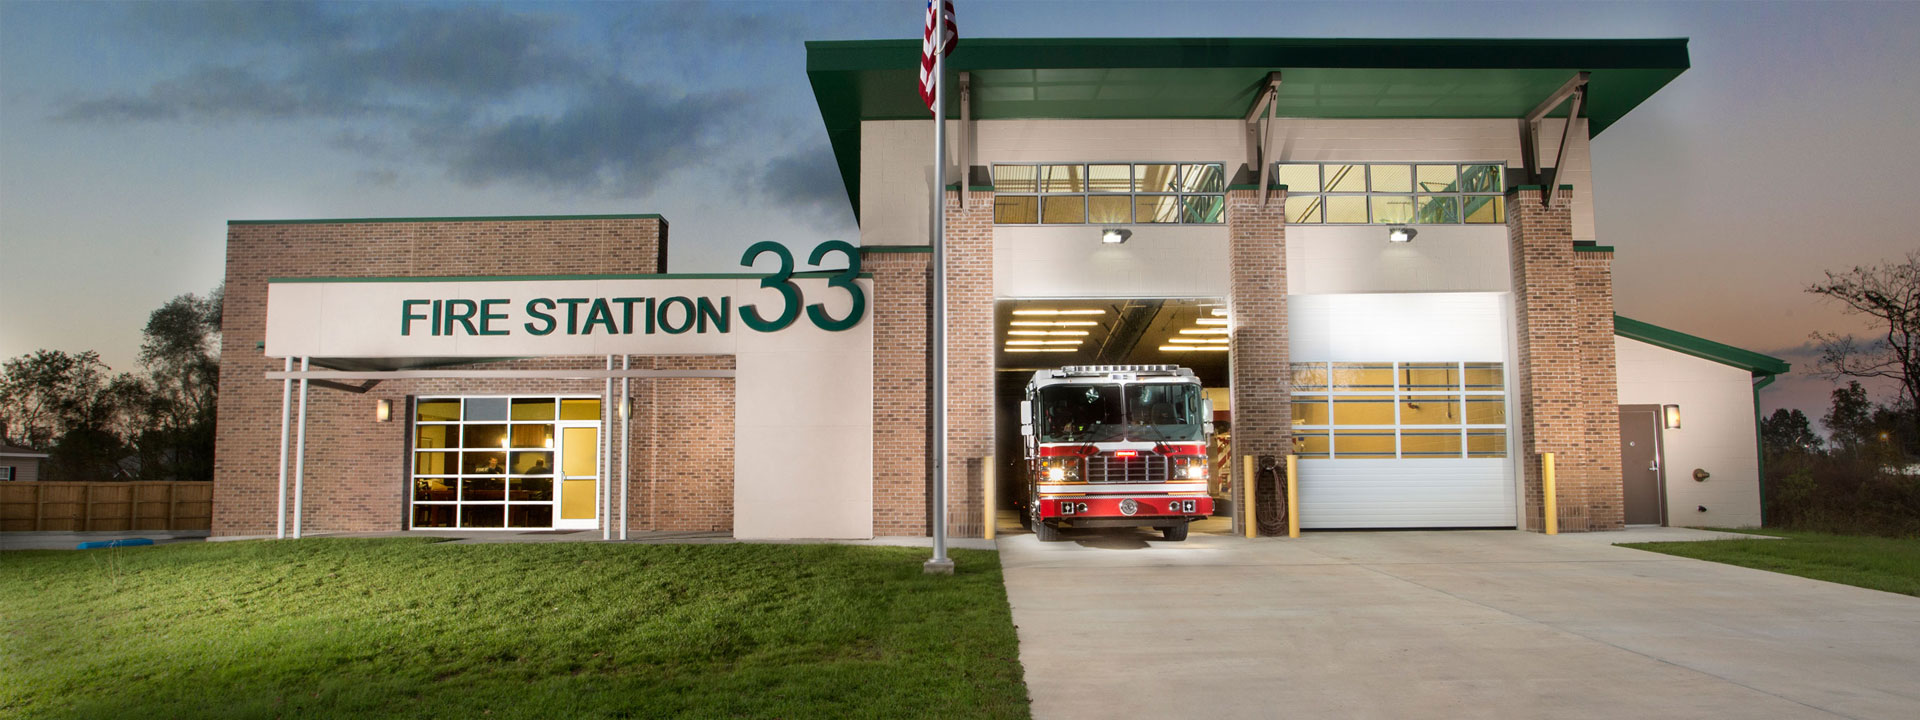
(940, 564)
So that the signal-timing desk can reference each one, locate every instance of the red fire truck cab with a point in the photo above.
(1116, 446)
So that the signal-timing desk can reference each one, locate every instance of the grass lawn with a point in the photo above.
(1879, 563)
(415, 628)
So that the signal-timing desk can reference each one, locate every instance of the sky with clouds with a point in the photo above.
(131, 132)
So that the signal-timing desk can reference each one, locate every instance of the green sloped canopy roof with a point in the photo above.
(1217, 78)
(1699, 347)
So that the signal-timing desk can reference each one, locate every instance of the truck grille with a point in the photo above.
(1138, 469)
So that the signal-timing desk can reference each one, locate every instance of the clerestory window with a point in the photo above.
(1109, 193)
(1393, 193)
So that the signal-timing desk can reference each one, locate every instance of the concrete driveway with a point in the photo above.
(1496, 624)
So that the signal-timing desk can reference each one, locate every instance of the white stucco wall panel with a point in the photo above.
(1324, 260)
(803, 434)
(1716, 432)
(1070, 261)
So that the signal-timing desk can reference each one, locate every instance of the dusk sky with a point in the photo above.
(130, 133)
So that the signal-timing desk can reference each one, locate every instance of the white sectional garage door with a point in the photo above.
(1401, 410)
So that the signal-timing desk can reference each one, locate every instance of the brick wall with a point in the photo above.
(1262, 377)
(970, 357)
(901, 390)
(356, 468)
(1563, 305)
(684, 466)
(1598, 490)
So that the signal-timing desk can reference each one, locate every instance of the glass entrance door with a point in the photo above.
(579, 477)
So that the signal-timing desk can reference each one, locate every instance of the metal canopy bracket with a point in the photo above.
(1265, 106)
(1574, 89)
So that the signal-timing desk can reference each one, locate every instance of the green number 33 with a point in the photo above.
(782, 280)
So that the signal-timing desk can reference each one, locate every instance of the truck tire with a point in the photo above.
(1046, 531)
(1175, 533)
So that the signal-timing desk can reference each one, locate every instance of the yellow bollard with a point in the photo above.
(1293, 498)
(1546, 485)
(1246, 514)
(987, 488)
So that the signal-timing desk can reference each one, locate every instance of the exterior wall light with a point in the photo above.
(383, 410)
(1401, 234)
(1115, 236)
(1670, 417)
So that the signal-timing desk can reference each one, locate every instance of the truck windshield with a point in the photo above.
(1080, 413)
(1095, 413)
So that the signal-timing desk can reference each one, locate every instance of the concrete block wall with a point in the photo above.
(1259, 352)
(356, 468)
(901, 503)
(1563, 308)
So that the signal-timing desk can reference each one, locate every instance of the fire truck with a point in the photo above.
(1116, 446)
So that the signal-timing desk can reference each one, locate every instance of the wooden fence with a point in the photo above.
(158, 505)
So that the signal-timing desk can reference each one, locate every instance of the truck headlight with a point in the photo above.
(1196, 471)
(1056, 474)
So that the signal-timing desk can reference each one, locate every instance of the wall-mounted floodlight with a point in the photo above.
(382, 410)
(1401, 234)
(1115, 236)
(1670, 417)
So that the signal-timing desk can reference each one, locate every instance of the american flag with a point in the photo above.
(927, 49)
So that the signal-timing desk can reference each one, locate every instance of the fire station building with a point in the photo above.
(1379, 256)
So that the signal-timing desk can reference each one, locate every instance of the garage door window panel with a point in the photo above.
(1360, 410)
(1382, 410)
(1364, 444)
(1430, 443)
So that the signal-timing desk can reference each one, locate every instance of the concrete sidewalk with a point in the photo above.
(1497, 624)
(67, 540)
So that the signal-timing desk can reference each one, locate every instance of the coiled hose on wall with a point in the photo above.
(1270, 491)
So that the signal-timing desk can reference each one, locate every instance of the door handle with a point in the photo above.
(1654, 466)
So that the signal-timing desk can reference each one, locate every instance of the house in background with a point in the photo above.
(19, 464)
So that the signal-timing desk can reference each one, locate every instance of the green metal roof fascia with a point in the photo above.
(1748, 360)
(499, 218)
(858, 80)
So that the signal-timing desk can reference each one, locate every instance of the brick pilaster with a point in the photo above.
(969, 270)
(901, 503)
(1259, 351)
(1563, 306)
(1600, 490)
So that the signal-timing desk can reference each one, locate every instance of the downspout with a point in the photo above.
(1760, 445)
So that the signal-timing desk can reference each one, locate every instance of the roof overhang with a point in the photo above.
(1219, 78)
(1757, 364)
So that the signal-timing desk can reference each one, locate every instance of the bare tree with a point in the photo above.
(1888, 292)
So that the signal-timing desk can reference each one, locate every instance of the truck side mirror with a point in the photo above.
(1206, 415)
(1026, 418)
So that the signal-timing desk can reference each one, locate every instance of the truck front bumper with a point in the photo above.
(1108, 510)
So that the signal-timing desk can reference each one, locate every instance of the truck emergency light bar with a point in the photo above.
(1082, 370)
